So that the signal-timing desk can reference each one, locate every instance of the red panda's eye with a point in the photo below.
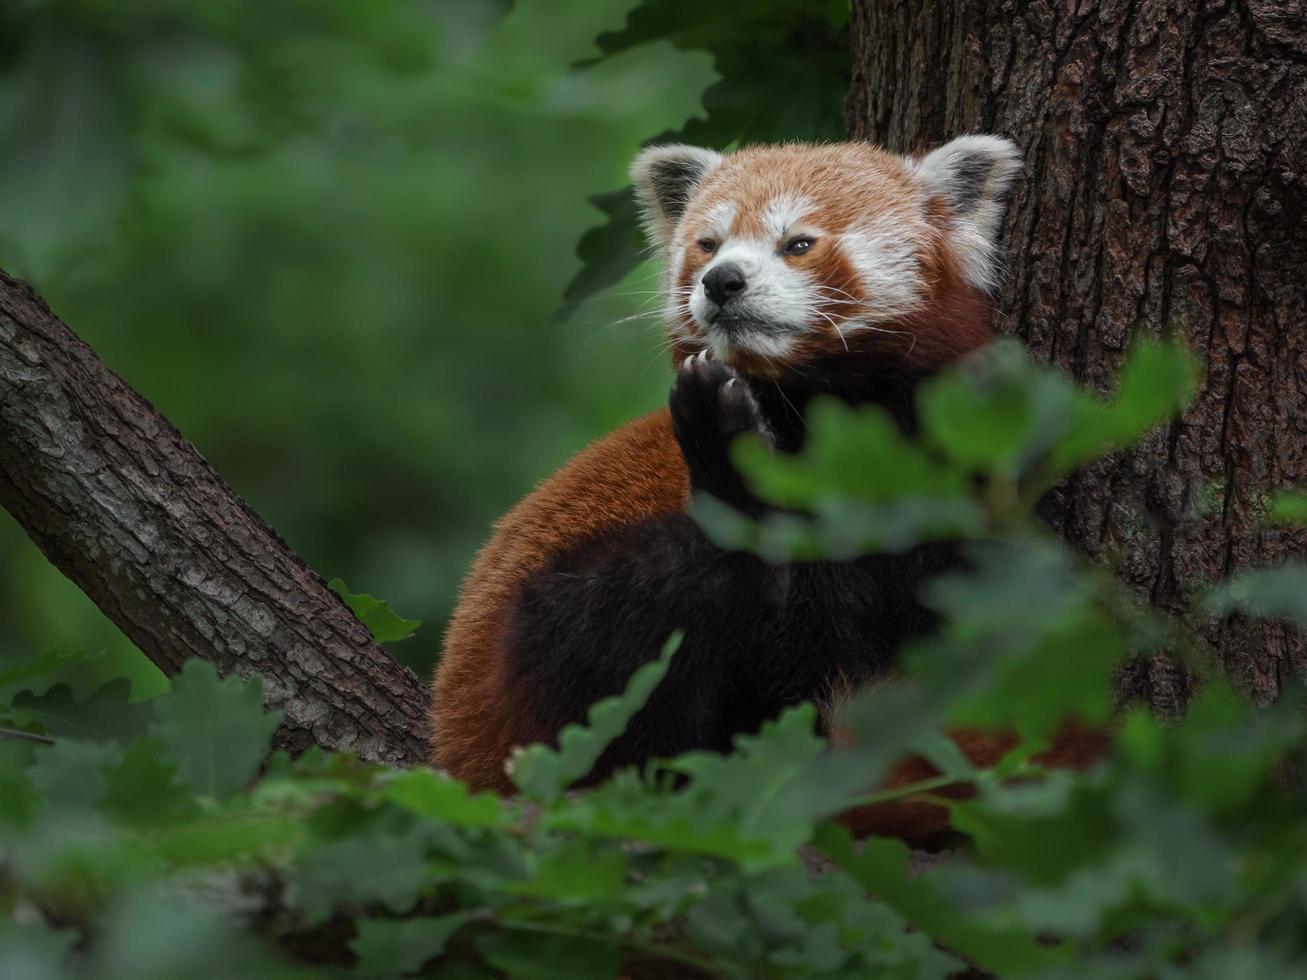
(707, 245)
(799, 245)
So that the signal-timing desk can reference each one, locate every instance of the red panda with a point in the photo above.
(790, 272)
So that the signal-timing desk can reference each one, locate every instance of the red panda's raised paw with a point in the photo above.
(711, 405)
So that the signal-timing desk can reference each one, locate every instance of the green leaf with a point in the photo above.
(148, 935)
(1023, 643)
(608, 251)
(722, 921)
(657, 20)
(840, 530)
(851, 454)
(388, 948)
(31, 951)
(376, 615)
(84, 672)
(19, 801)
(1014, 589)
(70, 773)
(108, 714)
(1255, 961)
(437, 796)
(860, 486)
(1066, 674)
(545, 956)
(996, 411)
(373, 863)
(759, 790)
(757, 49)
(881, 866)
(754, 807)
(543, 773)
(41, 673)
(1042, 830)
(215, 730)
(1156, 383)
(574, 872)
(808, 926)
(232, 837)
(142, 790)
(1267, 593)
(1225, 751)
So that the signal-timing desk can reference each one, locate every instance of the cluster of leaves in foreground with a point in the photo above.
(159, 840)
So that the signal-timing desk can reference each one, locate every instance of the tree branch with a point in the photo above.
(126, 508)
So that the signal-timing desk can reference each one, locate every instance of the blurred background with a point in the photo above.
(332, 242)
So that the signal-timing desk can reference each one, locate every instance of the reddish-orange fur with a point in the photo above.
(954, 317)
(633, 473)
(637, 472)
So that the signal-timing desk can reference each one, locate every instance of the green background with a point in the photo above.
(330, 241)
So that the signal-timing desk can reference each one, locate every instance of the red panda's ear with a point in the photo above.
(664, 178)
(972, 174)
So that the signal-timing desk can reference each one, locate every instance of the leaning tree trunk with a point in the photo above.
(1166, 184)
(127, 509)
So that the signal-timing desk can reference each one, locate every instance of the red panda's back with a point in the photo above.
(634, 473)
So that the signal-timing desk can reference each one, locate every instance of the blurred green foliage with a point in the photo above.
(1181, 854)
(328, 240)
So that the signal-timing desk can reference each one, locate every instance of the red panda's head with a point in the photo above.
(779, 255)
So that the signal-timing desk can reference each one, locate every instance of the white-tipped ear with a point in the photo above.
(973, 174)
(664, 178)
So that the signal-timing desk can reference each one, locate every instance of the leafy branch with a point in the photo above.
(1180, 854)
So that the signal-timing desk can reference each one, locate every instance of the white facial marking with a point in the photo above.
(717, 223)
(763, 344)
(671, 276)
(783, 213)
(884, 251)
(777, 298)
(719, 219)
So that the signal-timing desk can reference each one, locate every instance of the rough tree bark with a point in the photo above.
(127, 509)
(1165, 144)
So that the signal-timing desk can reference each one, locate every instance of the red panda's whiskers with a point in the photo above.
(629, 319)
(785, 398)
(894, 333)
(843, 340)
(838, 293)
(834, 326)
(638, 288)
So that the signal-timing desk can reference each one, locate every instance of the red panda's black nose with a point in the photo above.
(723, 282)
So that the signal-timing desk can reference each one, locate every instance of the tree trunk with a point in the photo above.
(1166, 181)
(127, 509)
